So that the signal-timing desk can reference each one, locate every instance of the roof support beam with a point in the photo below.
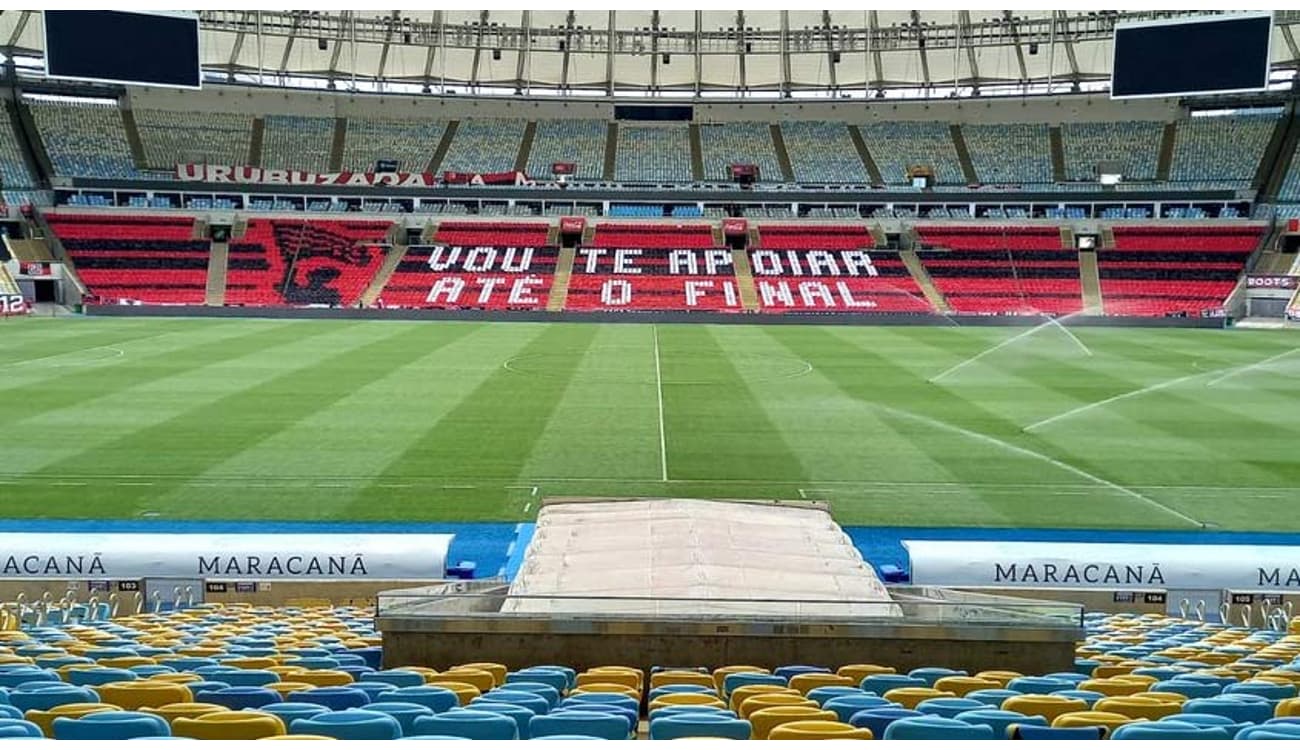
(1289, 37)
(282, 70)
(609, 56)
(785, 54)
(964, 26)
(1015, 39)
(238, 46)
(654, 51)
(568, 50)
(740, 50)
(1064, 22)
(877, 77)
(388, 42)
(521, 81)
(920, 48)
(830, 51)
(433, 49)
(699, 52)
(19, 28)
(338, 49)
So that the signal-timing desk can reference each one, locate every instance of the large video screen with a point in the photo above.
(160, 49)
(1183, 57)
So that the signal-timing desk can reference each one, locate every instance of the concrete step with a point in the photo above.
(560, 283)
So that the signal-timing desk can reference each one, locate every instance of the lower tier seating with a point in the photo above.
(1161, 270)
(497, 233)
(136, 259)
(818, 236)
(653, 279)
(472, 277)
(833, 281)
(317, 262)
(1004, 270)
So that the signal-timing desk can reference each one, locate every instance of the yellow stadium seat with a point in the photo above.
(180, 678)
(284, 670)
(910, 697)
(608, 687)
(231, 725)
(960, 685)
(142, 693)
(812, 680)
(173, 711)
(740, 694)
(480, 679)
(125, 662)
(323, 677)
(45, 719)
(252, 662)
(681, 677)
(284, 688)
(818, 730)
(1111, 686)
(1104, 719)
(708, 700)
(608, 676)
(860, 672)
(1000, 676)
(1287, 707)
(498, 671)
(720, 674)
(1137, 708)
(1178, 698)
(464, 691)
(1047, 706)
(768, 700)
(765, 720)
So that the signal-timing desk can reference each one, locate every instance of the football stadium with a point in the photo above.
(646, 375)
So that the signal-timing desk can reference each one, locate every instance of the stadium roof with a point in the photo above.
(688, 53)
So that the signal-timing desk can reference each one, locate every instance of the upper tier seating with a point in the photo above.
(1009, 153)
(304, 262)
(13, 169)
(659, 153)
(739, 143)
(822, 152)
(83, 139)
(267, 672)
(1135, 145)
(293, 142)
(611, 234)
(1225, 148)
(1290, 190)
(1003, 269)
(170, 137)
(411, 142)
(580, 142)
(476, 265)
(484, 145)
(139, 258)
(896, 146)
(1162, 270)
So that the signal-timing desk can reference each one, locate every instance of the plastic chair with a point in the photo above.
(1242, 711)
(480, 679)
(911, 697)
(352, 724)
(877, 719)
(960, 685)
(883, 683)
(555, 678)
(323, 677)
(720, 674)
(860, 672)
(430, 696)
(1037, 733)
(290, 711)
(595, 700)
(239, 698)
(173, 711)
(142, 693)
(1087, 696)
(681, 677)
(845, 706)
(95, 676)
(334, 698)
(1108, 721)
(230, 725)
(45, 718)
(1047, 706)
(699, 725)
(745, 692)
(809, 681)
(1270, 690)
(739, 679)
(45, 697)
(765, 720)
(948, 707)
(769, 700)
(1269, 732)
(541, 689)
(819, 730)
(110, 725)
(399, 678)
(1039, 685)
(936, 728)
(245, 677)
(405, 713)
(1169, 730)
(469, 724)
(790, 670)
(687, 699)
(17, 728)
(1288, 707)
(823, 694)
(532, 701)
(998, 720)
(522, 715)
(589, 723)
(992, 697)
(498, 671)
(931, 675)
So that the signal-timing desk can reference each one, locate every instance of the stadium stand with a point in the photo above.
(579, 142)
(410, 142)
(170, 137)
(240, 672)
(303, 262)
(653, 153)
(1009, 153)
(1221, 149)
(897, 146)
(633, 266)
(84, 139)
(13, 170)
(1173, 270)
(1003, 269)
(476, 265)
(826, 268)
(1290, 188)
(294, 142)
(484, 145)
(724, 144)
(822, 152)
(145, 259)
(1135, 145)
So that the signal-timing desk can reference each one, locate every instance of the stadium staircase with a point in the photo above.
(553, 235)
(444, 145)
(782, 155)
(1090, 283)
(744, 281)
(611, 151)
(336, 144)
(29, 251)
(1166, 160)
(53, 248)
(860, 145)
(200, 229)
(25, 124)
(1107, 238)
(924, 282)
(526, 146)
(1058, 153)
(133, 138)
(396, 251)
(255, 142)
(963, 155)
(7, 284)
(878, 236)
(1281, 165)
(697, 153)
(1272, 166)
(560, 283)
(214, 292)
(719, 240)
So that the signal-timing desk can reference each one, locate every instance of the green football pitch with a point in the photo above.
(256, 419)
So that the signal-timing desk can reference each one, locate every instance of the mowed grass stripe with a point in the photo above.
(74, 387)
(491, 432)
(715, 426)
(30, 351)
(836, 438)
(607, 420)
(975, 446)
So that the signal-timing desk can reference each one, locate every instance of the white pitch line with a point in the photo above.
(659, 391)
(528, 506)
(1248, 368)
(1119, 397)
(1040, 456)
